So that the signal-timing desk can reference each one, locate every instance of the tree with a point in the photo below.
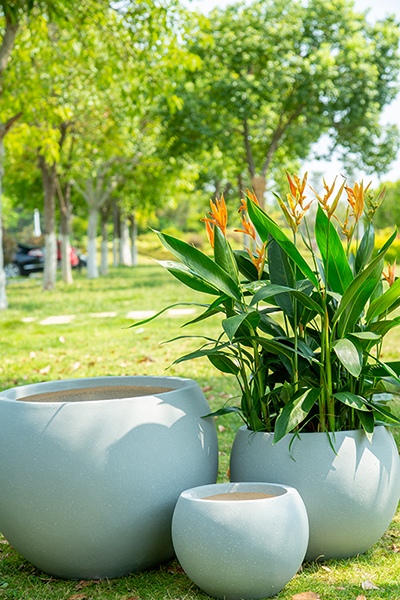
(275, 76)
(136, 26)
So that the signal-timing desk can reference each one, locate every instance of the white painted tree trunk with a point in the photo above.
(92, 268)
(66, 269)
(50, 261)
(104, 257)
(126, 256)
(134, 241)
(116, 251)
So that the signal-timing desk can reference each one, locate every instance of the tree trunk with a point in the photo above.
(116, 234)
(49, 177)
(65, 228)
(3, 294)
(126, 256)
(134, 240)
(259, 184)
(92, 268)
(105, 213)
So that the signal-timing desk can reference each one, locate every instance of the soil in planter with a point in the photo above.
(105, 392)
(240, 496)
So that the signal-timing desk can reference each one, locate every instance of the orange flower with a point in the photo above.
(210, 233)
(218, 214)
(294, 210)
(355, 197)
(391, 277)
(328, 193)
(258, 260)
(248, 227)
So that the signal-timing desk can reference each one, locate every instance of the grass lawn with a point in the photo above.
(93, 343)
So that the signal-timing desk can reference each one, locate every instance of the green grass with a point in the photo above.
(94, 346)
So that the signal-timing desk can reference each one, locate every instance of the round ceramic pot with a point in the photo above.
(91, 469)
(351, 493)
(240, 541)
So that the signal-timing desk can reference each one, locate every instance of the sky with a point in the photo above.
(391, 114)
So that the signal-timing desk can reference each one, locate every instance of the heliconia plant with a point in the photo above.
(301, 333)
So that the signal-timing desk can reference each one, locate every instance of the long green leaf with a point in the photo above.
(294, 412)
(359, 291)
(188, 277)
(265, 226)
(367, 420)
(281, 273)
(271, 290)
(365, 248)
(204, 267)
(352, 400)
(349, 355)
(383, 327)
(338, 271)
(232, 324)
(223, 255)
(382, 304)
(223, 363)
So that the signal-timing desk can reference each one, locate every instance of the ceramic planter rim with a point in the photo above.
(193, 494)
(22, 392)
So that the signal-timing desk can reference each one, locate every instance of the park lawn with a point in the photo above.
(104, 345)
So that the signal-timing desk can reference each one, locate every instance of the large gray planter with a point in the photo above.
(87, 485)
(237, 548)
(351, 494)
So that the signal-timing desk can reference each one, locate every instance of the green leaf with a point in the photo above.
(388, 416)
(338, 272)
(232, 324)
(383, 327)
(281, 273)
(382, 369)
(352, 400)
(188, 277)
(148, 319)
(223, 363)
(245, 266)
(365, 335)
(349, 355)
(212, 309)
(381, 305)
(271, 290)
(265, 226)
(365, 248)
(223, 255)
(294, 412)
(204, 267)
(225, 410)
(359, 291)
(367, 420)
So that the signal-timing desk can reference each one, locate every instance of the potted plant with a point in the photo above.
(302, 332)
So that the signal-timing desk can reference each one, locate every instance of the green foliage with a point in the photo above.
(302, 338)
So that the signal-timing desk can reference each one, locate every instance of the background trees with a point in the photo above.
(155, 107)
(275, 76)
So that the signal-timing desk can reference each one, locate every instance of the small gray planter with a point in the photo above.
(350, 496)
(87, 485)
(240, 549)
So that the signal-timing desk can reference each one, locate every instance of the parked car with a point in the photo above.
(26, 260)
(30, 259)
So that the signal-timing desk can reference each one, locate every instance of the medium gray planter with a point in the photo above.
(87, 485)
(350, 496)
(240, 548)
